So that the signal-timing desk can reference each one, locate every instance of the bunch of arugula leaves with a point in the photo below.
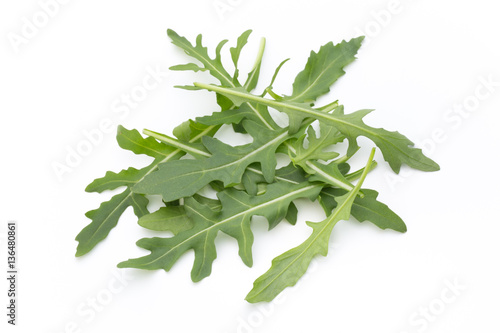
(245, 178)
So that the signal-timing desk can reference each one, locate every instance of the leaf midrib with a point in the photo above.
(239, 160)
(330, 219)
(313, 112)
(312, 241)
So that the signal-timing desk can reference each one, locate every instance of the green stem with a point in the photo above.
(258, 60)
(306, 112)
(176, 143)
(356, 174)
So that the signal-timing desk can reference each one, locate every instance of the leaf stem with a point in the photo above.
(356, 174)
(260, 53)
(366, 169)
(176, 143)
(296, 107)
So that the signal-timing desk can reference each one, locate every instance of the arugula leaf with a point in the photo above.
(106, 217)
(200, 53)
(287, 268)
(323, 69)
(366, 208)
(395, 147)
(236, 51)
(234, 219)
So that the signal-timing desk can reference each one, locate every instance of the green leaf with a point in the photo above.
(323, 69)
(200, 53)
(106, 217)
(133, 141)
(183, 178)
(234, 219)
(287, 268)
(236, 51)
(366, 208)
(291, 215)
(395, 147)
(275, 75)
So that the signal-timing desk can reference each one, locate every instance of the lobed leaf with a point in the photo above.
(106, 217)
(287, 268)
(234, 218)
(199, 52)
(366, 208)
(395, 147)
(323, 69)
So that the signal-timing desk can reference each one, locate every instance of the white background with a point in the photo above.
(422, 61)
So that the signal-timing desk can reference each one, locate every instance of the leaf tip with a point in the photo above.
(81, 251)
(122, 264)
(250, 300)
(360, 38)
(251, 297)
(435, 166)
(171, 33)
